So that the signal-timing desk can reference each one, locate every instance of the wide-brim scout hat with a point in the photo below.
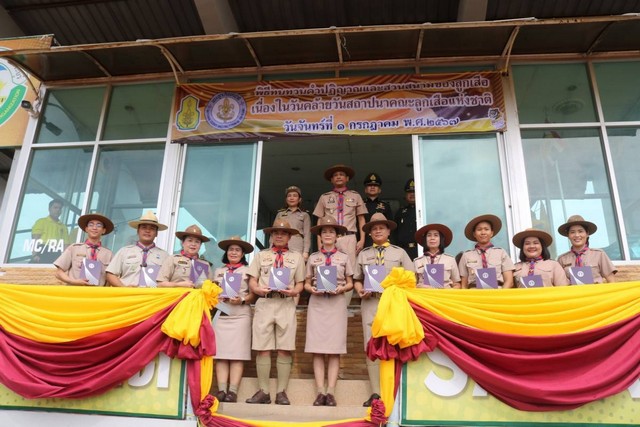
(447, 234)
(339, 168)
(148, 218)
(84, 220)
(194, 231)
(373, 179)
(379, 218)
(544, 237)
(247, 247)
(281, 225)
(293, 189)
(328, 221)
(577, 220)
(496, 225)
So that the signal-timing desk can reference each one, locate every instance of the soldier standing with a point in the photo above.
(372, 190)
(406, 220)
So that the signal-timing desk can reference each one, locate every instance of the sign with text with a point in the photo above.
(156, 391)
(455, 399)
(375, 105)
(14, 88)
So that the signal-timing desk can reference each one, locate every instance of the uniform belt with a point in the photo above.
(275, 294)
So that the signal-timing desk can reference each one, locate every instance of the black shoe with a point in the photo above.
(220, 395)
(320, 400)
(371, 399)
(282, 399)
(259, 397)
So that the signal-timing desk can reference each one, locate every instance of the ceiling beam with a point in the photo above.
(8, 27)
(472, 10)
(216, 16)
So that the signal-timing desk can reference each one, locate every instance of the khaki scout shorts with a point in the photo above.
(274, 324)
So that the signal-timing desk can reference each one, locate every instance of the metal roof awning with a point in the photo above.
(332, 49)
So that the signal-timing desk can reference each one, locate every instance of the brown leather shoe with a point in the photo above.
(220, 395)
(231, 397)
(259, 397)
(282, 399)
(330, 400)
(320, 400)
(371, 399)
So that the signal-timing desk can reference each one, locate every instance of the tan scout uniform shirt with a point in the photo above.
(472, 260)
(394, 256)
(260, 267)
(127, 262)
(71, 260)
(550, 270)
(244, 288)
(353, 206)
(339, 259)
(451, 273)
(597, 259)
(301, 221)
(177, 268)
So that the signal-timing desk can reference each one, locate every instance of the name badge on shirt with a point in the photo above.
(91, 270)
(230, 285)
(148, 276)
(199, 272)
(326, 278)
(279, 278)
(433, 275)
(486, 278)
(581, 275)
(533, 281)
(373, 277)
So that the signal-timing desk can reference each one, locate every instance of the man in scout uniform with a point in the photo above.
(73, 265)
(274, 319)
(346, 207)
(50, 236)
(139, 264)
(186, 269)
(406, 220)
(381, 253)
(372, 190)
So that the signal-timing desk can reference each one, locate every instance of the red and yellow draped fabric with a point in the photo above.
(77, 342)
(541, 349)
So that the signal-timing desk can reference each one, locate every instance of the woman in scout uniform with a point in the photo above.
(298, 219)
(274, 319)
(70, 264)
(176, 271)
(578, 231)
(327, 312)
(384, 254)
(535, 259)
(233, 329)
(481, 230)
(434, 238)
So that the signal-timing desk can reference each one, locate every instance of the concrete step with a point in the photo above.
(301, 392)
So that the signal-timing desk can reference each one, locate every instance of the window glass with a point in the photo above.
(217, 194)
(126, 184)
(625, 152)
(139, 111)
(43, 228)
(461, 179)
(566, 176)
(619, 88)
(556, 93)
(71, 115)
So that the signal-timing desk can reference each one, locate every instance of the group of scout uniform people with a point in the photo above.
(277, 276)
